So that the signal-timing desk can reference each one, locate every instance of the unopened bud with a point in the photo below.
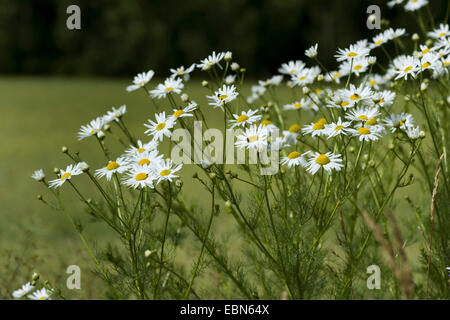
(235, 66)
(185, 97)
(205, 83)
(148, 253)
(228, 56)
(39, 197)
(83, 166)
(423, 86)
(320, 77)
(212, 175)
(422, 134)
(243, 70)
(64, 149)
(306, 90)
(415, 37)
(372, 60)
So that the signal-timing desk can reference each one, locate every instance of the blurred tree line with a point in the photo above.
(119, 38)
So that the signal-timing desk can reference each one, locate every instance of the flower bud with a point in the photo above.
(422, 134)
(212, 175)
(235, 66)
(372, 60)
(56, 170)
(320, 77)
(423, 86)
(429, 43)
(228, 56)
(205, 83)
(35, 276)
(185, 97)
(83, 166)
(415, 37)
(178, 183)
(101, 135)
(391, 146)
(64, 149)
(148, 253)
(371, 164)
(39, 197)
(228, 206)
(107, 127)
(243, 70)
(351, 149)
(306, 90)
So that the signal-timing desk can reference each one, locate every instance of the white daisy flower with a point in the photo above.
(441, 32)
(184, 112)
(67, 174)
(230, 79)
(304, 77)
(336, 128)
(245, 118)
(38, 175)
(42, 294)
(273, 81)
(295, 159)
(182, 72)
(211, 60)
(413, 132)
(115, 114)
(141, 80)
(362, 114)
(335, 77)
(141, 147)
(312, 51)
(367, 133)
(254, 137)
(170, 85)
(161, 127)
(391, 34)
(414, 5)
(354, 95)
(375, 81)
(379, 40)
(93, 128)
(315, 128)
(429, 61)
(146, 158)
(357, 66)
(120, 165)
(224, 95)
(384, 98)
(268, 125)
(290, 135)
(353, 52)
(26, 288)
(139, 176)
(399, 121)
(164, 170)
(328, 161)
(292, 67)
(405, 65)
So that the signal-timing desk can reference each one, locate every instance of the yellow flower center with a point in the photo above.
(336, 75)
(41, 298)
(180, 72)
(323, 159)
(302, 78)
(357, 67)
(66, 175)
(169, 89)
(160, 126)
(379, 42)
(141, 176)
(446, 63)
(323, 120)
(371, 122)
(293, 155)
(425, 50)
(355, 96)
(143, 161)
(318, 126)
(373, 82)
(318, 91)
(407, 69)
(253, 139)
(141, 84)
(242, 118)
(265, 122)
(442, 34)
(363, 131)
(92, 131)
(178, 113)
(426, 65)
(222, 97)
(297, 105)
(295, 128)
(164, 173)
(292, 71)
(112, 166)
(338, 127)
(344, 103)
(363, 117)
(140, 150)
(352, 54)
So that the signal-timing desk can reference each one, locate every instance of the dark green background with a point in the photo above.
(120, 38)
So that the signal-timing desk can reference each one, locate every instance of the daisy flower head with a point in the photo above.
(399, 121)
(211, 60)
(273, 81)
(335, 77)
(357, 66)
(141, 147)
(379, 40)
(115, 114)
(24, 290)
(292, 67)
(38, 175)
(413, 132)
(414, 5)
(245, 118)
(165, 170)
(184, 112)
(441, 32)
(120, 165)
(147, 158)
(315, 128)
(268, 125)
(363, 114)
(312, 51)
(182, 72)
(139, 177)
(354, 95)
(67, 174)
(405, 66)
(304, 77)
(353, 52)
(336, 128)
(428, 61)
(328, 161)
(161, 127)
(294, 159)
(367, 133)
(290, 135)
(392, 34)
(384, 98)
(42, 294)
(141, 80)
(224, 95)
(230, 79)
(394, 3)
(253, 138)
(170, 85)
(375, 81)
(92, 128)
